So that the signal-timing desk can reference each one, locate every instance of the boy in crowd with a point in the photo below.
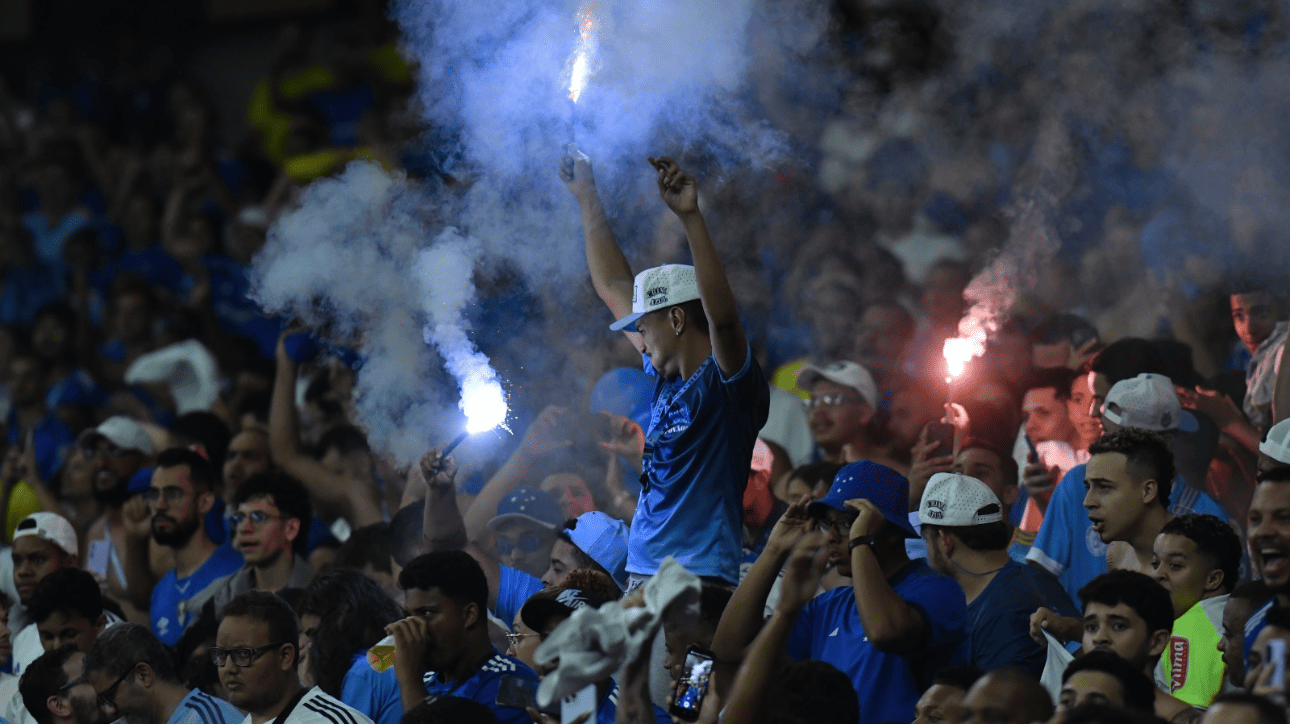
(711, 397)
(1197, 559)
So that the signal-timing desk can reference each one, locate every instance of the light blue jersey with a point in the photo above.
(1069, 548)
(201, 708)
(698, 451)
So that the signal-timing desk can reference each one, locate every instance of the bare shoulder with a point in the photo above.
(1120, 556)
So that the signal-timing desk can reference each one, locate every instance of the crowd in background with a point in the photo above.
(172, 454)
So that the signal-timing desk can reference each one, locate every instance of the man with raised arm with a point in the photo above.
(710, 398)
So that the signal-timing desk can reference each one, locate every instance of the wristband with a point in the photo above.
(864, 540)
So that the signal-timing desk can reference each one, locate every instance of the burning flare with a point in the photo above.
(484, 404)
(958, 351)
(581, 60)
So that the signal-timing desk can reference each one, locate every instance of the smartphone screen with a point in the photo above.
(693, 685)
(517, 692)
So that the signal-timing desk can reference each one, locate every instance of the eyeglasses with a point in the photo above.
(258, 518)
(241, 657)
(171, 493)
(528, 543)
(841, 526)
(107, 699)
(831, 399)
(516, 639)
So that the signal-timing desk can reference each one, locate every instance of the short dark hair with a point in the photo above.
(1147, 453)
(345, 438)
(817, 687)
(121, 647)
(1125, 359)
(1139, 592)
(69, 590)
(1215, 540)
(1098, 713)
(694, 314)
(289, 496)
(1256, 592)
(406, 536)
(455, 573)
(1269, 712)
(367, 546)
(206, 429)
(583, 560)
(1139, 691)
(959, 677)
(1036, 702)
(986, 537)
(43, 678)
(268, 608)
(201, 473)
(1011, 473)
(449, 710)
(1058, 378)
(816, 472)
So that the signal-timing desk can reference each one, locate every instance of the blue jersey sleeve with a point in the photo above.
(513, 589)
(1062, 524)
(374, 693)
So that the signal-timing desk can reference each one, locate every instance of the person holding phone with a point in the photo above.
(711, 396)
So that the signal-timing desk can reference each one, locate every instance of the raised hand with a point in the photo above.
(136, 517)
(791, 526)
(438, 471)
(575, 171)
(676, 187)
(545, 435)
(802, 572)
(626, 438)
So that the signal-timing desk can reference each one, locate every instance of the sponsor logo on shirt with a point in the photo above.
(1178, 650)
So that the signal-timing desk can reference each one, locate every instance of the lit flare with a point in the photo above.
(958, 351)
(581, 65)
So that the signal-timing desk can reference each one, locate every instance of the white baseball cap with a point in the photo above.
(51, 527)
(1147, 402)
(957, 500)
(659, 288)
(1277, 443)
(124, 432)
(845, 373)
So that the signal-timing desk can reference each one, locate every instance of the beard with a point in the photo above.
(177, 536)
(113, 497)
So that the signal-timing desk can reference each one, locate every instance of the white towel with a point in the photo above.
(595, 642)
(1055, 666)
(187, 367)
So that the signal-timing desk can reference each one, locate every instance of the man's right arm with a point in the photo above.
(611, 274)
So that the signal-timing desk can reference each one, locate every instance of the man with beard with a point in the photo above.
(54, 692)
(116, 450)
(180, 495)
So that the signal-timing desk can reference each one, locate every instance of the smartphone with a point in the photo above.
(693, 685)
(1034, 451)
(1277, 652)
(584, 702)
(941, 432)
(517, 692)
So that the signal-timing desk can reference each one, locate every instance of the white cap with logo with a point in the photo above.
(1277, 443)
(957, 500)
(1147, 402)
(845, 373)
(124, 432)
(51, 527)
(659, 288)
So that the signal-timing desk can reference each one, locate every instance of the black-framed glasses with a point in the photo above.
(841, 526)
(242, 657)
(831, 399)
(257, 517)
(107, 699)
(171, 493)
(107, 451)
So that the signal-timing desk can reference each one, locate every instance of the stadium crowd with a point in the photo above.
(764, 501)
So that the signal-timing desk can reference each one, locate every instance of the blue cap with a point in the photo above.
(624, 391)
(141, 481)
(604, 539)
(531, 504)
(879, 484)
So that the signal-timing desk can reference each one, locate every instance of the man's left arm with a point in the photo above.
(892, 625)
(680, 193)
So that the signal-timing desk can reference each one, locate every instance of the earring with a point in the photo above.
(678, 333)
